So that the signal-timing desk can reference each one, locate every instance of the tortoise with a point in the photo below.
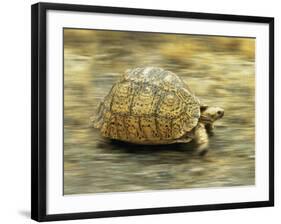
(151, 106)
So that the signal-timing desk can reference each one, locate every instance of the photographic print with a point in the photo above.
(157, 111)
(141, 111)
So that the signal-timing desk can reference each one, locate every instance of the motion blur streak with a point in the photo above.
(219, 70)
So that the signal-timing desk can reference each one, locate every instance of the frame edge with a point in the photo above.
(154, 12)
(34, 113)
(271, 112)
(38, 112)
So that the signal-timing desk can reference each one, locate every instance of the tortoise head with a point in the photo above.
(210, 114)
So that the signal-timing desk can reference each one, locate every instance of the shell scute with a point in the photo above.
(143, 101)
(121, 100)
(170, 106)
(149, 128)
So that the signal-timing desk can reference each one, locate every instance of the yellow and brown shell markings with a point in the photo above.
(148, 106)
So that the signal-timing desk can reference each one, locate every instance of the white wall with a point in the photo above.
(15, 110)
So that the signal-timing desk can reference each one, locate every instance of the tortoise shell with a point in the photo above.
(148, 106)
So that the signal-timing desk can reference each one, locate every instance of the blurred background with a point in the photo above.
(219, 70)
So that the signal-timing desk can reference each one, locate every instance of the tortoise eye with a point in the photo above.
(220, 113)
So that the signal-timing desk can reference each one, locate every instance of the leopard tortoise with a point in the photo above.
(154, 106)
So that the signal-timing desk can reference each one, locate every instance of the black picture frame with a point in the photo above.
(38, 108)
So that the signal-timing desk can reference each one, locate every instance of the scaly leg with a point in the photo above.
(201, 139)
(210, 128)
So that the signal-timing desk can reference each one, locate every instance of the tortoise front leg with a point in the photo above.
(210, 128)
(201, 139)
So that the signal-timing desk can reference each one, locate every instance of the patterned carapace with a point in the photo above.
(148, 106)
